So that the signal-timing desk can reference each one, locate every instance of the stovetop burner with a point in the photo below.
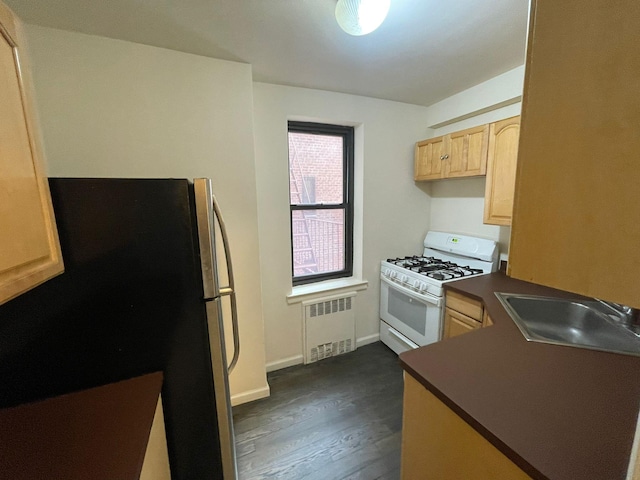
(434, 267)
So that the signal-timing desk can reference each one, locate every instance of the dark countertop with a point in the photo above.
(560, 413)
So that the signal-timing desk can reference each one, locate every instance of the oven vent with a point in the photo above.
(329, 327)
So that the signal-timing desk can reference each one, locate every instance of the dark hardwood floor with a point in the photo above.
(339, 418)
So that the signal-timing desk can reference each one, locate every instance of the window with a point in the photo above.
(321, 199)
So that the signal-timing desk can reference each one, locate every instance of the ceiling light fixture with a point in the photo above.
(359, 17)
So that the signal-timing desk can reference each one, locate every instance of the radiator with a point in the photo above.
(329, 326)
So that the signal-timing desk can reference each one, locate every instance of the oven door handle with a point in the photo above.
(437, 301)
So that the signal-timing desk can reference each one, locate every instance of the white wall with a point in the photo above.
(394, 210)
(457, 205)
(110, 108)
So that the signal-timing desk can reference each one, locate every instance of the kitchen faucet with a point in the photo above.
(629, 316)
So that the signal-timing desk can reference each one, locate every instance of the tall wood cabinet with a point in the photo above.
(576, 222)
(29, 246)
(502, 159)
(458, 154)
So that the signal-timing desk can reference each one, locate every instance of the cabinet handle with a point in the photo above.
(441, 157)
(446, 156)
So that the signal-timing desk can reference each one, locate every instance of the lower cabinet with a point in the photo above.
(438, 444)
(463, 314)
(456, 323)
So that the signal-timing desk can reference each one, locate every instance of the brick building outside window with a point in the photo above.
(321, 201)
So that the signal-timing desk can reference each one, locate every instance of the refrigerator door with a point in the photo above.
(221, 386)
(206, 212)
(206, 237)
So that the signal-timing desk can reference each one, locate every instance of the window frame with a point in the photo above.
(348, 134)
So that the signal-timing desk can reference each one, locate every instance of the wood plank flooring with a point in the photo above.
(337, 419)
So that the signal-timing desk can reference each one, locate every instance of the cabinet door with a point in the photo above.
(468, 152)
(468, 306)
(429, 159)
(501, 171)
(455, 323)
(29, 247)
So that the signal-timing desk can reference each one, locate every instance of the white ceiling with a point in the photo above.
(426, 50)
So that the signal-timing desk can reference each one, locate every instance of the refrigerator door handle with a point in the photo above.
(207, 212)
(229, 290)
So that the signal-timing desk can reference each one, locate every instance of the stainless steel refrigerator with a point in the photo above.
(140, 268)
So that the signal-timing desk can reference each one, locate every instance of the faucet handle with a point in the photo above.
(630, 315)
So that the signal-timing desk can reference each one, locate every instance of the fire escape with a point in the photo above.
(304, 260)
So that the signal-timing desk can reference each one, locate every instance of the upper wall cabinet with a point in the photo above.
(459, 154)
(576, 223)
(501, 171)
(29, 246)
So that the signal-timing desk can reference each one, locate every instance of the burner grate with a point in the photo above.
(435, 268)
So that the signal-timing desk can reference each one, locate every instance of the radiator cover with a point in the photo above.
(329, 326)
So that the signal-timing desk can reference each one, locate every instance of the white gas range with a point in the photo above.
(411, 292)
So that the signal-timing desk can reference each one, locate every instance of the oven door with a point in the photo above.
(416, 316)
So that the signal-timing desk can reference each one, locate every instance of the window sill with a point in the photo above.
(305, 292)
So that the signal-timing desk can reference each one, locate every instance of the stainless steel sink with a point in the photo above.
(585, 324)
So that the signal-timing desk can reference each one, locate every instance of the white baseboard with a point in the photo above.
(362, 341)
(250, 396)
(284, 363)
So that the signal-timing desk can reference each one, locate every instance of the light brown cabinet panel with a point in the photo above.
(576, 223)
(463, 314)
(459, 154)
(486, 320)
(438, 444)
(501, 171)
(467, 306)
(29, 246)
(455, 323)
(428, 159)
(468, 152)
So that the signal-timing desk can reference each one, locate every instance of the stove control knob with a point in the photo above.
(385, 272)
(392, 274)
(416, 285)
(404, 279)
(423, 286)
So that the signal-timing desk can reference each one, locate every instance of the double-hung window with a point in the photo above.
(321, 201)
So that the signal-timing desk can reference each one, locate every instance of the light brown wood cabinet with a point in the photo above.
(455, 323)
(576, 223)
(438, 444)
(502, 159)
(429, 159)
(458, 154)
(463, 314)
(29, 246)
